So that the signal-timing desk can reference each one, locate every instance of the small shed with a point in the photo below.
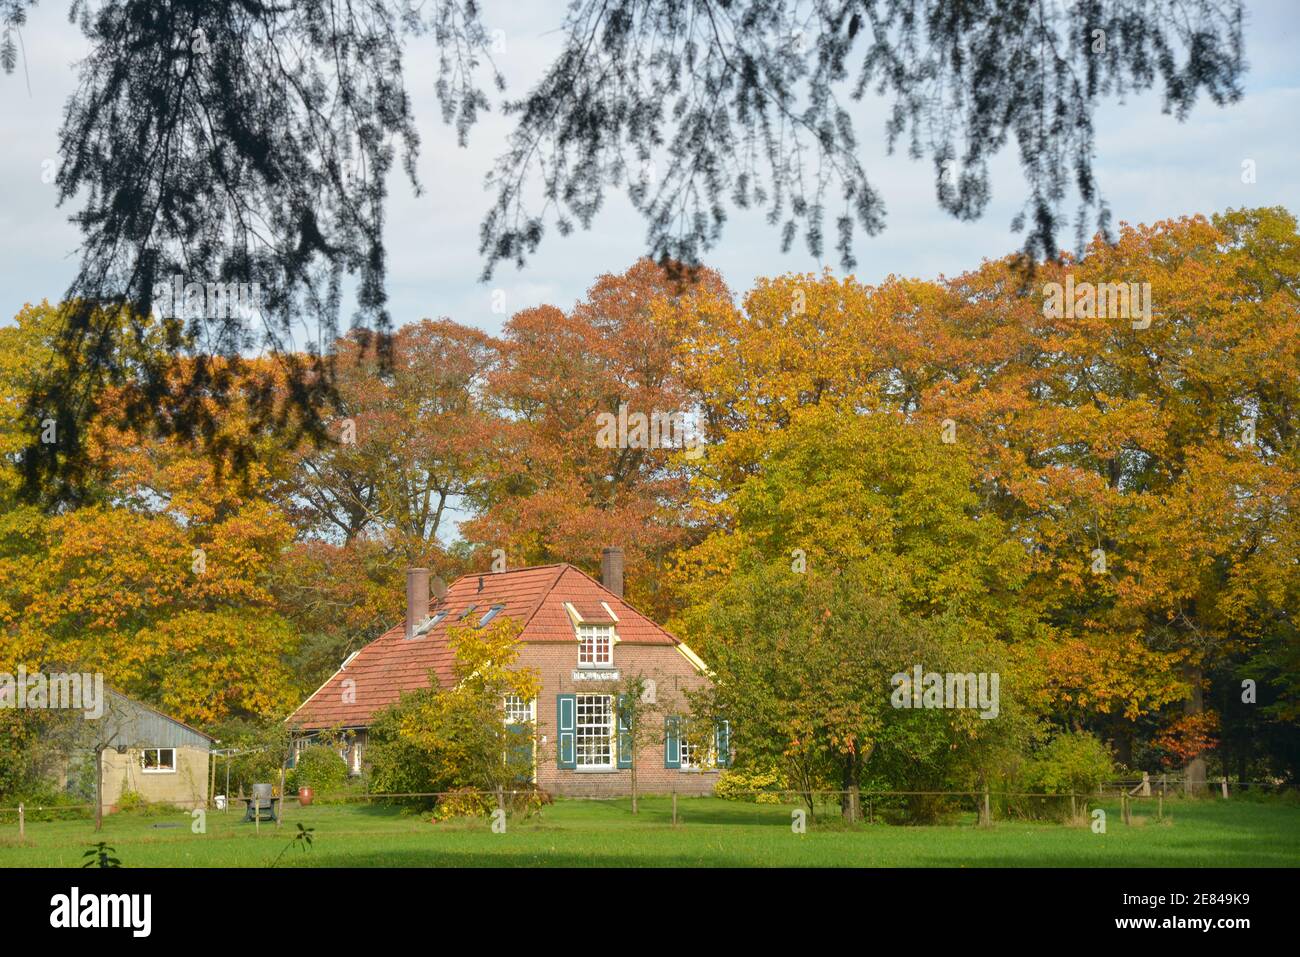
(151, 754)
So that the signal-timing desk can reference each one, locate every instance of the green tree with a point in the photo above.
(441, 738)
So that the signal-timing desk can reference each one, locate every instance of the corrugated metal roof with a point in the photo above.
(133, 724)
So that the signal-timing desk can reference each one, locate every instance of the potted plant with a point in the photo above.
(304, 795)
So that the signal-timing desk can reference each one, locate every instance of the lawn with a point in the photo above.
(712, 833)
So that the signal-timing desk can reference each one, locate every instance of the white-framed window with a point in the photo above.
(594, 731)
(354, 758)
(158, 760)
(595, 646)
(517, 710)
(697, 756)
(690, 754)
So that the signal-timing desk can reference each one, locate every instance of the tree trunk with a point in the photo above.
(634, 787)
(99, 788)
(851, 801)
(1194, 772)
(1122, 740)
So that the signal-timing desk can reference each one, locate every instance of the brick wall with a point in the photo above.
(672, 674)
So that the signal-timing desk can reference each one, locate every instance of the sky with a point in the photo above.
(1148, 165)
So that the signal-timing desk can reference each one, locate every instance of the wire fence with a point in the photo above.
(1148, 796)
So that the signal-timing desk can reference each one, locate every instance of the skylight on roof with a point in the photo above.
(424, 627)
(491, 613)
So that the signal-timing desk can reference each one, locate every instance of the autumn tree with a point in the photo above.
(1150, 459)
(556, 493)
(160, 579)
(1143, 461)
(200, 151)
(410, 438)
(858, 547)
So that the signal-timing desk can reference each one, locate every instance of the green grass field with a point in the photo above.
(712, 833)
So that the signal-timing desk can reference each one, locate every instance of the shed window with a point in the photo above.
(158, 760)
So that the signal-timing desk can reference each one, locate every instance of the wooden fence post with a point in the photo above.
(280, 811)
(1225, 787)
(674, 807)
(988, 813)
(22, 824)
(1160, 806)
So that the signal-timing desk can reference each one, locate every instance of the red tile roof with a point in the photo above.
(535, 597)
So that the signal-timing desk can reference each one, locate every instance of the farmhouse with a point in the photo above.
(581, 637)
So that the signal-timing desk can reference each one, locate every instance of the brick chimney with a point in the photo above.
(611, 569)
(417, 598)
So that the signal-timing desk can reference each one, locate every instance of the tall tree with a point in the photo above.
(1145, 462)
(216, 143)
(560, 488)
(409, 440)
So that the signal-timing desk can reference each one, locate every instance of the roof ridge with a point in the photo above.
(541, 598)
(508, 571)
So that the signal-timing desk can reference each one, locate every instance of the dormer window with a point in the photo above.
(595, 646)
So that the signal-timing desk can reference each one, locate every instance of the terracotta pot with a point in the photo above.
(304, 796)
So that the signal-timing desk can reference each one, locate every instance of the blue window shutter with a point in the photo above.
(625, 748)
(723, 732)
(672, 743)
(566, 723)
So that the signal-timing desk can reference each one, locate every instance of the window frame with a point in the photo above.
(687, 747)
(586, 735)
(512, 715)
(491, 613)
(596, 635)
(159, 768)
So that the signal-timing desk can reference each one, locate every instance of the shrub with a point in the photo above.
(320, 768)
(755, 785)
(928, 809)
(131, 802)
(462, 802)
(1074, 762)
(529, 802)
(1071, 763)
